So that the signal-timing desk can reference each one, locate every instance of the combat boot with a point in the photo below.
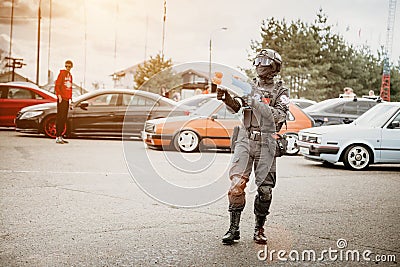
(233, 232)
(259, 236)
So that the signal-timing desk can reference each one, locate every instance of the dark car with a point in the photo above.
(100, 113)
(16, 95)
(339, 110)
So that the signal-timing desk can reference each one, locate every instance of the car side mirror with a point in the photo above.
(214, 117)
(394, 125)
(84, 105)
(347, 120)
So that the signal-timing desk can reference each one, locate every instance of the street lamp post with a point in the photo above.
(209, 63)
(38, 44)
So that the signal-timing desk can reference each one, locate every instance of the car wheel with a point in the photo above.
(357, 157)
(187, 141)
(49, 126)
(292, 149)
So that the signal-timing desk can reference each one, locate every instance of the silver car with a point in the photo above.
(372, 138)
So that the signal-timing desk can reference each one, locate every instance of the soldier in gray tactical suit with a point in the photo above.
(264, 113)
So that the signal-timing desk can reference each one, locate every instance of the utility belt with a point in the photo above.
(281, 142)
(254, 135)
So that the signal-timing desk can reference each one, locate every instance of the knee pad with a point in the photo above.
(265, 193)
(236, 193)
(238, 184)
(236, 202)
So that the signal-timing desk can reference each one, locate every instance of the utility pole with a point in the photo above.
(49, 46)
(145, 43)
(11, 29)
(163, 29)
(209, 61)
(14, 63)
(38, 45)
(116, 78)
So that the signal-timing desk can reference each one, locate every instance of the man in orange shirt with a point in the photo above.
(63, 90)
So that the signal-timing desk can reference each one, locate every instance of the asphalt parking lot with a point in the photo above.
(78, 205)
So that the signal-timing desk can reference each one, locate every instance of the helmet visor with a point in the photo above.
(263, 61)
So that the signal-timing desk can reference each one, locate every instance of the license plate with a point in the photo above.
(304, 150)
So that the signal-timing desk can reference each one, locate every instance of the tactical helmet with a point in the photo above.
(268, 57)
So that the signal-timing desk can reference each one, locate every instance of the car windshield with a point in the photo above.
(195, 101)
(48, 93)
(81, 97)
(208, 108)
(303, 103)
(376, 116)
(322, 104)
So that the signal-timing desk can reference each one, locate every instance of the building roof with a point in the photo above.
(196, 72)
(7, 77)
(134, 68)
(123, 72)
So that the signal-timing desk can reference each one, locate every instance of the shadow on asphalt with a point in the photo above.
(9, 129)
(27, 135)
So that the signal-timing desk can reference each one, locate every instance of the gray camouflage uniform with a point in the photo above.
(255, 145)
(264, 112)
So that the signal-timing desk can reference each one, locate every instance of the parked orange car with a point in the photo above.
(211, 126)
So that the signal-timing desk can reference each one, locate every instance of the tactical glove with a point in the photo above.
(221, 94)
(249, 98)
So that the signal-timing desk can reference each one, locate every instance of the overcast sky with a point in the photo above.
(103, 36)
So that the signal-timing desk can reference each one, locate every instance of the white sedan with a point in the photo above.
(372, 138)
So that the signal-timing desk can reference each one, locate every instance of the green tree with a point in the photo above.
(156, 73)
(325, 79)
(299, 46)
(366, 71)
(318, 63)
(297, 67)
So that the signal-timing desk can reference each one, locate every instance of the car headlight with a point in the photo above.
(319, 139)
(30, 114)
(150, 127)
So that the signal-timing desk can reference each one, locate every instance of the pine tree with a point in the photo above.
(318, 63)
(395, 83)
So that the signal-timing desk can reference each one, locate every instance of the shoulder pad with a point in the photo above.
(284, 89)
(280, 88)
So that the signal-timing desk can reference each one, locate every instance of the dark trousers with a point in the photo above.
(62, 113)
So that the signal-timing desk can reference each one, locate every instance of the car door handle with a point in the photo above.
(111, 114)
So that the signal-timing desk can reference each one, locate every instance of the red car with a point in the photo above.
(16, 95)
